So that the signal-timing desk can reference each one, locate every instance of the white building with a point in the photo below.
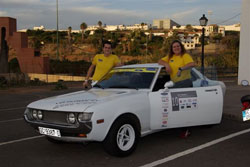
(234, 27)
(221, 30)
(189, 41)
(137, 27)
(39, 28)
(208, 29)
(119, 27)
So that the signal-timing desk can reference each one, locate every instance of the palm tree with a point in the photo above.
(83, 26)
(142, 25)
(69, 34)
(69, 39)
(99, 24)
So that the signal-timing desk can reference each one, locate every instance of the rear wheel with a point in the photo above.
(123, 137)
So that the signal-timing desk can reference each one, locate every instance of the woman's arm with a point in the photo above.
(166, 65)
(188, 66)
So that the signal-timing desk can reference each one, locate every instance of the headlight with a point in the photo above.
(71, 118)
(86, 116)
(40, 114)
(34, 114)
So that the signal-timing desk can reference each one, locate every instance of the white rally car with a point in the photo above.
(130, 102)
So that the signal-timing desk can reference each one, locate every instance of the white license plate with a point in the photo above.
(50, 132)
(246, 115)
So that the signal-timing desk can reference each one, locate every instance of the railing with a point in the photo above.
(225, 74)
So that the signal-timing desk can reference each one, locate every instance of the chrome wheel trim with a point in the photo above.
(125, 137)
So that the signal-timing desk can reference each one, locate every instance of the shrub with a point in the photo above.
(60, 85)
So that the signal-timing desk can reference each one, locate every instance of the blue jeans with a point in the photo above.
(187, 83)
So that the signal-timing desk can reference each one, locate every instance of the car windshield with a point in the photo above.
(131, 78)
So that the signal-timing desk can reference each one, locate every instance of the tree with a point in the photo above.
(217, 37)
(69, 34)
(70, 39)
(189, 27)
(142, 25)
(83, 26)
(99, 24)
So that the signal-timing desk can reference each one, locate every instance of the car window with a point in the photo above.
(161, 80)
(134, 78)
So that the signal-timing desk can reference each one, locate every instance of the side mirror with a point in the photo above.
(169, 84)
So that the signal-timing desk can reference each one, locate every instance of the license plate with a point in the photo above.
(246, 115)
(50, 132)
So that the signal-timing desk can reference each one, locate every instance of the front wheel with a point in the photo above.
(122, 138)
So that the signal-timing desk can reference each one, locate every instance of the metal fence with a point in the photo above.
(74, 73)
(221, 73)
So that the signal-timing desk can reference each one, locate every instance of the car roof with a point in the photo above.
(148, 65)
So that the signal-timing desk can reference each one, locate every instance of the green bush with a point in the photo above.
(3, 82)
(14, 66)
(60, 85)
(37, 82)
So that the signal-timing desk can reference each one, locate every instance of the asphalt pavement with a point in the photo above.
(232, 105)
(22, 146)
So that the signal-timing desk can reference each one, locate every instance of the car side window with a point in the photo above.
(161, 80)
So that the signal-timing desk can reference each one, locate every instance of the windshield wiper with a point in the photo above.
(122, 86)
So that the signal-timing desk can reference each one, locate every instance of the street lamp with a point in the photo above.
(203, 23)
(57, 39)
(146, 48)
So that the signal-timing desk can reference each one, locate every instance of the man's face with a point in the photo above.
(107, 49)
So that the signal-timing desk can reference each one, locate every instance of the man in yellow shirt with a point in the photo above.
(178, 64)
(102, 64)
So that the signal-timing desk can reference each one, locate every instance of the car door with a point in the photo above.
(182, 107)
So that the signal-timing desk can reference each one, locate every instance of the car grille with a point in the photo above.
(55, 117)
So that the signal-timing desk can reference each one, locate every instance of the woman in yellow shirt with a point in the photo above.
(178, 64)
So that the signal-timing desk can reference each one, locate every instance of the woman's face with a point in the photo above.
(176, 48)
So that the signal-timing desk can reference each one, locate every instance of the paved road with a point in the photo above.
(207, 146)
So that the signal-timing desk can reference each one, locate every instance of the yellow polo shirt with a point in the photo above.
(175, 63)
(103, 65)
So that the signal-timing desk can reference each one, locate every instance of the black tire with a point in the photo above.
(124, 144)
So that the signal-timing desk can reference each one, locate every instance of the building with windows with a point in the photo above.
(234, 27)
(164, 24)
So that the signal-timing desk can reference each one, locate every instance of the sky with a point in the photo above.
(30, 13)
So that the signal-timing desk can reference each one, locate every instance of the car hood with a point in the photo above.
(78, 101)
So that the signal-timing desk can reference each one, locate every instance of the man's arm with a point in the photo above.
(89, 74)
(118, 64)
(90, 71)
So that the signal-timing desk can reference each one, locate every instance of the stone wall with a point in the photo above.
(29, 61)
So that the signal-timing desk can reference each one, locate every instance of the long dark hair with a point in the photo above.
(171, 53)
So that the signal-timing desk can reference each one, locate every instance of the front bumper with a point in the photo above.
(70, 130)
